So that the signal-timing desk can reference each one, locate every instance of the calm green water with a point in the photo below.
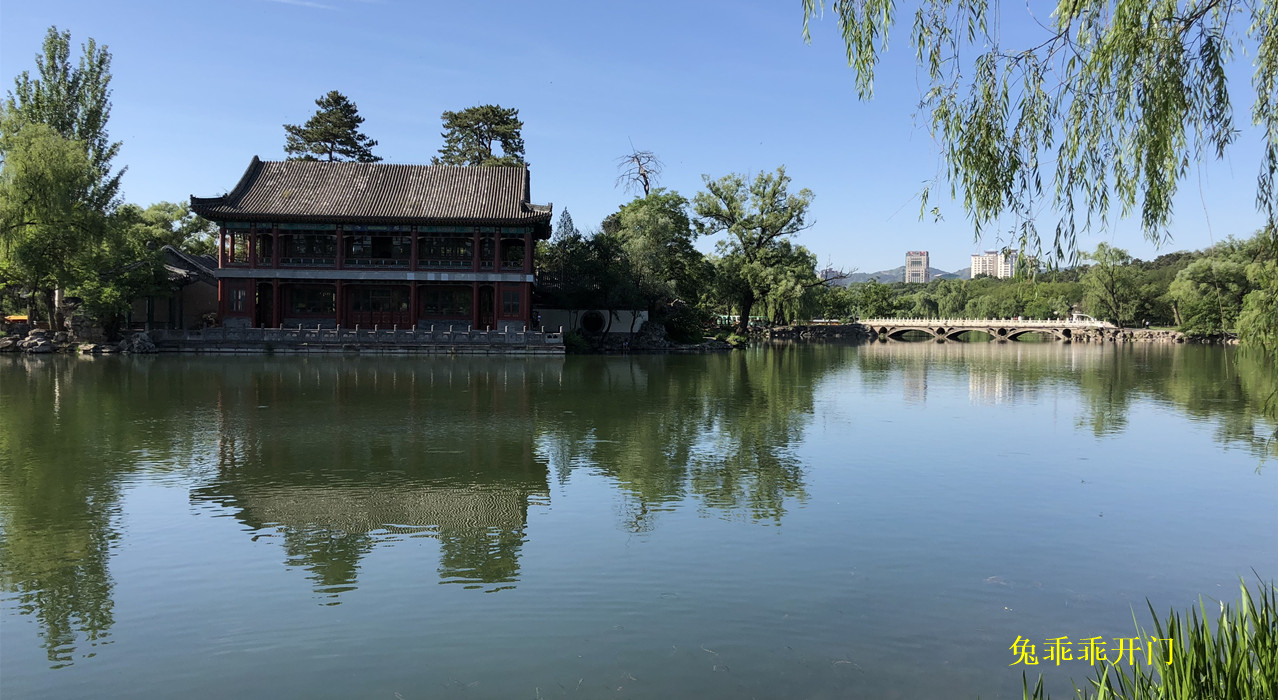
(874, 521)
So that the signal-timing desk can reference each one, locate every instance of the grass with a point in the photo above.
(1234, 658)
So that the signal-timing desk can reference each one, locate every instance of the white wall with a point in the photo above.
(571, 319)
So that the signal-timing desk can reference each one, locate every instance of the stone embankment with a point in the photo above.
(650, 339)
(42, 342)
(1143, 335)
(853, 331)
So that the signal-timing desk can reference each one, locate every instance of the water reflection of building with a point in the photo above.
(328, 529)
(914, 380)
(444, 450)
(991, 385)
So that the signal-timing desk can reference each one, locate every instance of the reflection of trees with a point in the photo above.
(1221, 385)
(719, 428)
(68, 430)
(336, 457)
(1213, 384)
(1234, 389)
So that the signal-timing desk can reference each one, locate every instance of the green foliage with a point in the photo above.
(1236, 657)
(174, 224)
(1258, 319)
(1209, 294)
(52, 237)
(564, 228)
(656, 237)
(332, 134)
(75, 102)
(579, 272)
(1110, 286)
(874, 300)
(471, 134)
(834, 302)
(685, 323)
(1109, 104)
(122, 265)
(575, 343)
(47, 220)
(757, 262)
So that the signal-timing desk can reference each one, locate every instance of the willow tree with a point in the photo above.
(1107, 104)
(74, 100)
(47, 221)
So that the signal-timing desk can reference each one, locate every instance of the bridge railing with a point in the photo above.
(981, 323)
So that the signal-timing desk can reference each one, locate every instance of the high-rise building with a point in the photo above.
(994, 263)
(916, 266)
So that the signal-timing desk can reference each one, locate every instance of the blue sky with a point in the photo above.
(711, 87)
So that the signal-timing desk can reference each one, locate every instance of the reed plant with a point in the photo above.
(1234, 658)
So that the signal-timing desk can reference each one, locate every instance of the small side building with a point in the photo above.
(328, 244)
(191, 299)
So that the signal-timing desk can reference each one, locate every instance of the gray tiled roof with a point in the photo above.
(185, 268)
(375, 193)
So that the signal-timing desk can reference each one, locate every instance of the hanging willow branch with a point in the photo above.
(1108, 105)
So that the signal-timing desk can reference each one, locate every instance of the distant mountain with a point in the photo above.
(897, 274)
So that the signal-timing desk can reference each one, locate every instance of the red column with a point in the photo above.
(474, 304)
(413, 315)
(341, 247)
(221, 247)
(474, 253)
(529, 242)
(221, 299)
(252, 300)
(412, 256)
(275, 247)
(277, 314)
(340, 303)
(496, 304)
(252, 247)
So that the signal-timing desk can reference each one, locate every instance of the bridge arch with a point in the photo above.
(1019, 333)
(899, 333)
(996, 330)
(965, 335)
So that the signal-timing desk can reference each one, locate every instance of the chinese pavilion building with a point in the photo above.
(374, 244)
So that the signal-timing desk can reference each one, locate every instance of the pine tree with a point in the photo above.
(470, 136)
(332, 134)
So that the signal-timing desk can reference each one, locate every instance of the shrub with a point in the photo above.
(1237, 657)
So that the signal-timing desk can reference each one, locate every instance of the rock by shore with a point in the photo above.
(1144, 335)
(39, 341)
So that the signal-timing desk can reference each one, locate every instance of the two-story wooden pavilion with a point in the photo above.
(376, 244)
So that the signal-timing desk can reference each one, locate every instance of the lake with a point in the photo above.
(794, 521)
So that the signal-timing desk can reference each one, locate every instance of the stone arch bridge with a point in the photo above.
(942, 329)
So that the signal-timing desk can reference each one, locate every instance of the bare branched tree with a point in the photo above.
(640, 170)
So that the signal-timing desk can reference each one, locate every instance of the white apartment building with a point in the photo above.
(916, 266)
(994, 263)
